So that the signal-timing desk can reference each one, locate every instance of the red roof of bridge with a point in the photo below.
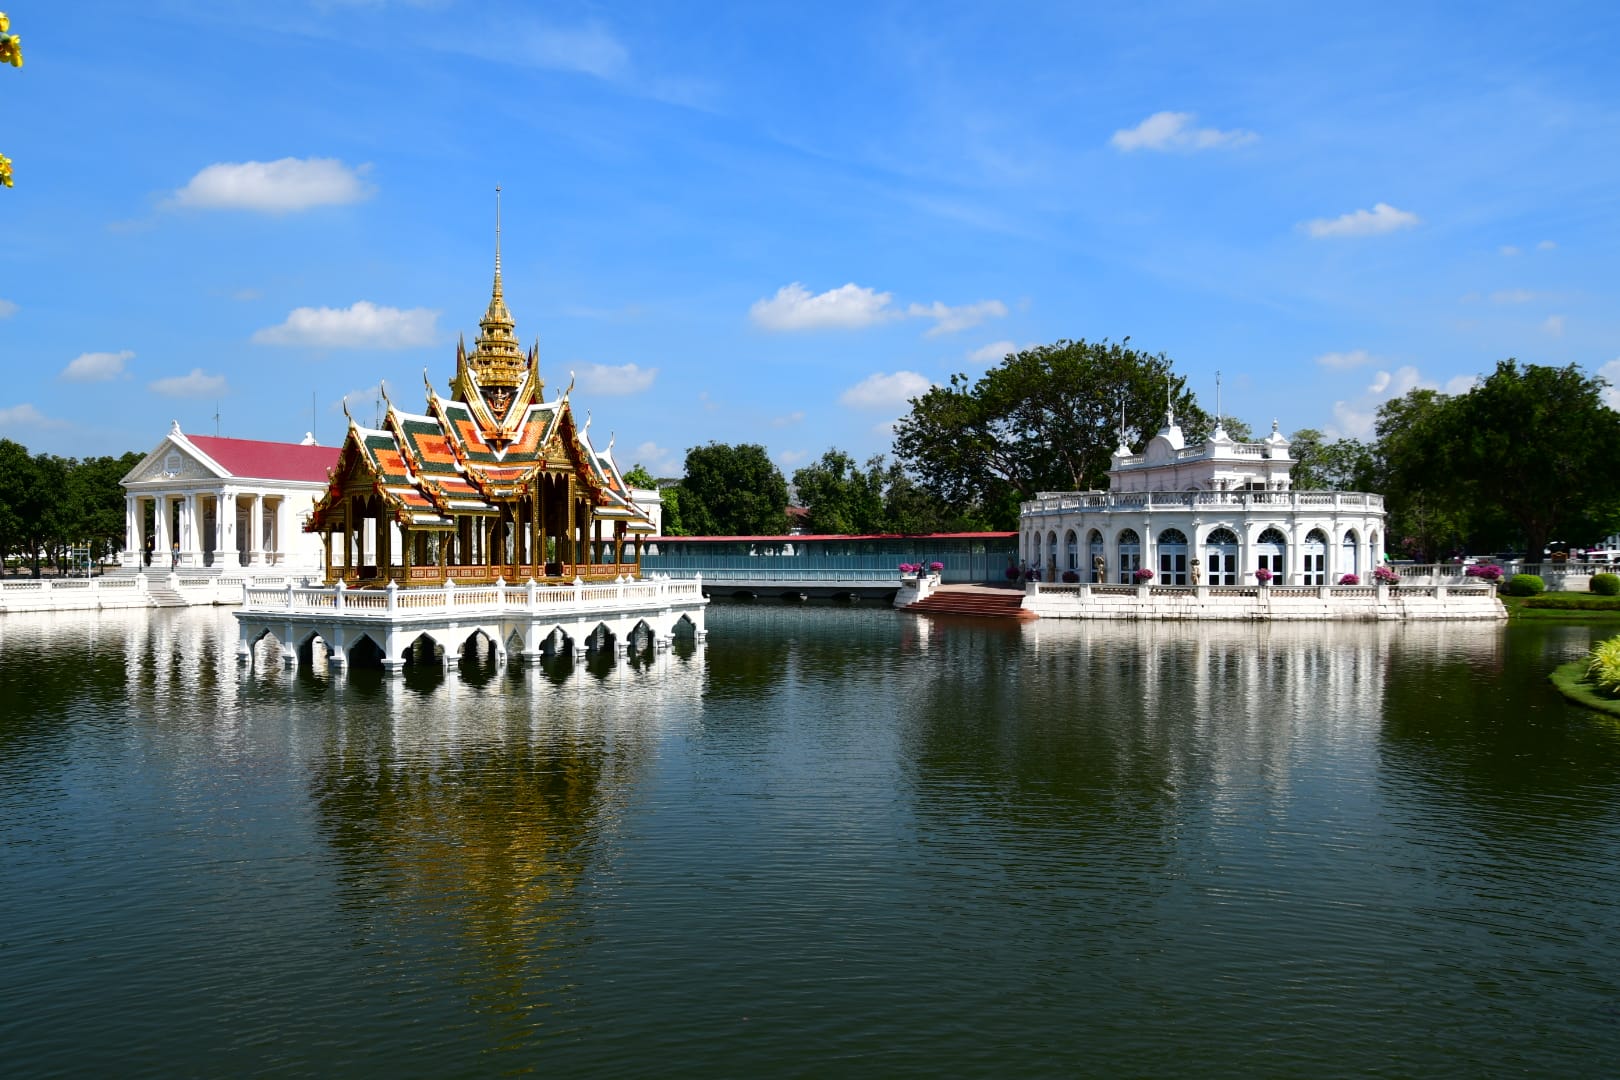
(253, 459)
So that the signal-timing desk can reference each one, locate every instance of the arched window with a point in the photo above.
(1094, 550)
(1173, 557)
(1350, 553)
(1071, 547)
(1051, 556)
(1271, 553)
(1374, 551)
(1313, 558)
(1221, 557)
(1035, 550)
(1130, 556)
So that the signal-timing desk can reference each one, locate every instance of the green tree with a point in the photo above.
(639, 477)
(732, 491)
(1045, 418)
(1340, 465)
(1427, 514)
(841, 498)
(96, 502)
(1538, 445)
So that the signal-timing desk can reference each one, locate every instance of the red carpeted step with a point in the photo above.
(976, 601)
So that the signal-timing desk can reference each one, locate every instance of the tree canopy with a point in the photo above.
(732, 491)
(877, 498)
(1046, 418)
(50, 503)
(1530, 455)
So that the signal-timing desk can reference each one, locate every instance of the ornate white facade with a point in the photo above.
(202, 501)
(1214, 514)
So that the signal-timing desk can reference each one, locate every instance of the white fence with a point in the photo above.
(393, 603)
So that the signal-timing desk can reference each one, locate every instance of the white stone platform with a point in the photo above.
(520, 618)
(1268, 602)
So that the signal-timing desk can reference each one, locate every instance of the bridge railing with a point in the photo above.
(393, 602)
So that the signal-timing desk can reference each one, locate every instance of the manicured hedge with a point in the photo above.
(1605, 584)
(1525, 585)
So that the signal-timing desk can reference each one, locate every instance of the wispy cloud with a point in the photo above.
(658, 460)
(993, 353)
(26, 416)
(848, 307)
(948, 320)
(96, 366)
(1345, 361)
(1545, 245)
(1510, 250)
(1382, 218)
(605, 380)
(7, 309)
(1175, 131)
(852, 307)
(790, 420)
(197, 384)
(1610, 373)
(791, 457)
(363, 325)
(883, 391)
(1553, 326)
(1512, 296)
(275, 187)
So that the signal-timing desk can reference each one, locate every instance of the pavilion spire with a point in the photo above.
(497, 359)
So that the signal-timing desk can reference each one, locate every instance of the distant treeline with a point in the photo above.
(51, 505)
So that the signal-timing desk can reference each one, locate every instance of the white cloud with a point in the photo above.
(948, 320)
(21, 416)
(1512, 296)
(197, 385)
(7, 309)
(791, 457)
(1554, 326)
(591, 50)
(789, 420)
(882, 391)
(1382, 218)
(362, 326)
(1174, 131)
(275, 186)
(1611, 373)
(993, 353)
(658, 460)
(606, 380)
(1344, 361)
(1545, 245)
(847, 307)
(1355, 418)
(96, 366)
(886, 428)
(1509, 250)
(1461, 384)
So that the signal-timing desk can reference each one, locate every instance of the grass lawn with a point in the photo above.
(1585, 607)
(1570, 680)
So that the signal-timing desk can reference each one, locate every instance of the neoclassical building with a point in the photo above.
(1213, 514)
(203, 502)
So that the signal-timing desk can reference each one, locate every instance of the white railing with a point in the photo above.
(1056, 503)
(393, 602)
(1468, 588)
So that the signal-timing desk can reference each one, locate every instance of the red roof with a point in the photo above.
(255, 460)
(797, 538)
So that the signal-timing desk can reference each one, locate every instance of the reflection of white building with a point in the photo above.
(225, 503)
(1213, 514)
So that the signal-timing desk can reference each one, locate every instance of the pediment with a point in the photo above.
(171, 462)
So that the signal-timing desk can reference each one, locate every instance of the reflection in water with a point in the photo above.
(827, 842)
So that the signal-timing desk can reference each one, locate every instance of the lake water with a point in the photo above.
(828, 842)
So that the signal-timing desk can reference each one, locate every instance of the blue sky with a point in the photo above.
(773, 223)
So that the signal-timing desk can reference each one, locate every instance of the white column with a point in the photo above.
(193, 529)
(132, 536)
(256, 531)
(227, 526)
(160, 530)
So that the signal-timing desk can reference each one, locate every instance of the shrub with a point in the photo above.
(1071, 577)
(1143, 574)
(1385, 576)
(1349, 579)
(1013, 573)
(1484, 571)
(1605, 584)
(1603, 666)
(1525, 585)
(1263, 575)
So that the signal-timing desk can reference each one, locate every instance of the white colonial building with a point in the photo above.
(1214, 514)
(201, 501)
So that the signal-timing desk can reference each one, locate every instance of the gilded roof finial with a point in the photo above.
(497, 240)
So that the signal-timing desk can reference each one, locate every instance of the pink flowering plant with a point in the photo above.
(1349, 579)
(908, 568)
(1263, 575)
(1484, 571)
(935, 567)
(1143, 574)
(1385, 576)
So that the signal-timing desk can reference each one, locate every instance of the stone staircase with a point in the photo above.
(162, 594)
(980, 601)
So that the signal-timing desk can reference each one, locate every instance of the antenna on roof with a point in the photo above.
(1217, 398)
(216, 417)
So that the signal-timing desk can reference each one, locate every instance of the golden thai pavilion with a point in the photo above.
(493, 482)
